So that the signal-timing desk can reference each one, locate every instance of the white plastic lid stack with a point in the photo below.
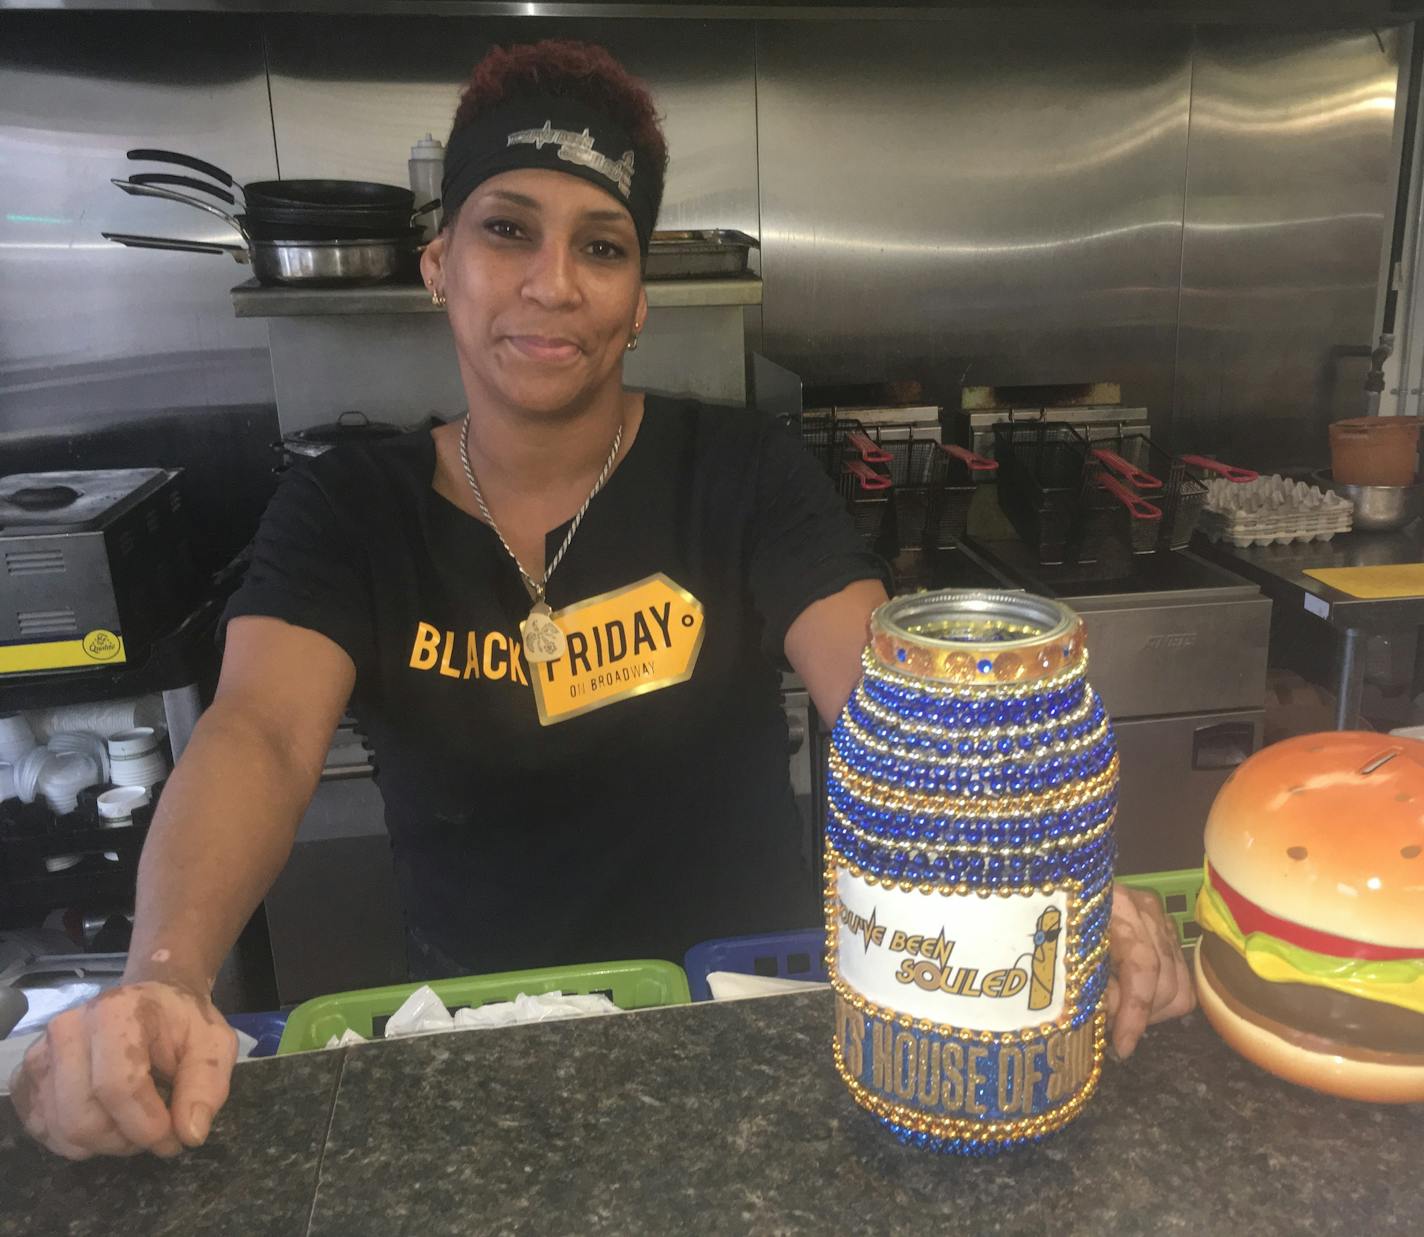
(64, 775)
(28, 771)
(85, 741)
(117, 806)
(16, 737)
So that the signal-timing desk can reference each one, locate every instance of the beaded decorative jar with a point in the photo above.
(969, 858)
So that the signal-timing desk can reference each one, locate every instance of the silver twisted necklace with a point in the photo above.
(543, 641)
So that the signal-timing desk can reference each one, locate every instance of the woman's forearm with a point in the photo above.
(223, 829)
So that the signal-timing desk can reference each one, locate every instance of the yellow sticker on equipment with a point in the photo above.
(99, 647)
(634, 640)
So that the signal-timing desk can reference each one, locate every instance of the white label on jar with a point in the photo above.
(995, 963)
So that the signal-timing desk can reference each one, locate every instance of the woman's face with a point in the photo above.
(542, 276)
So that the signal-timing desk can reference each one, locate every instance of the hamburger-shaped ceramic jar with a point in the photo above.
(1311, 961)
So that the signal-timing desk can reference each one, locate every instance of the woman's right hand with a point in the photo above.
(90, 1084)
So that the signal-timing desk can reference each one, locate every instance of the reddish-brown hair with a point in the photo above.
(570, 69)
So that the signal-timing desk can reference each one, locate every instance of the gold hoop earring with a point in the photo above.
(437, 299)
(632, 344)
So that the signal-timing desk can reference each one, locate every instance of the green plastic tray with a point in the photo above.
(1178, 891)
(630, 985)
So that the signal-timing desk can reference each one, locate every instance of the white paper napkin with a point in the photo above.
(729, 986)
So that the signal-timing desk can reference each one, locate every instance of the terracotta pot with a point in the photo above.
(1375, 450)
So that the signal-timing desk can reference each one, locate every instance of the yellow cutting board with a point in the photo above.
(1396, 580)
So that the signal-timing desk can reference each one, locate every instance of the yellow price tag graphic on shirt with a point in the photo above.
(634, 640)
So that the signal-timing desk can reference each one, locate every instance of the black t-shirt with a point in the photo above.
(651, 808)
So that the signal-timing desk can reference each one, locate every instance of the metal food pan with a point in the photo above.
(714, 253)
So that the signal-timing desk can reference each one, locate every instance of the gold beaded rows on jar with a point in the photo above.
(876, 794)
(962, 1127)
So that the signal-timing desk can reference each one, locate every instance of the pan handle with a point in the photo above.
(866, 448)
(185, 182)
(1127, 470)
(239, 252)
(185, 161)
(1141, 509)
(433, 204)
(867, 476)
(973, 461)
(1238, 475)
(172, 195)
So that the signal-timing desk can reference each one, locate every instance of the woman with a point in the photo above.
(611, 786)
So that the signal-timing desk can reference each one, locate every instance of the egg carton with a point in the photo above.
(1272, 511)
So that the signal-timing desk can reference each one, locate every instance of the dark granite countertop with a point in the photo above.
(724, 1118)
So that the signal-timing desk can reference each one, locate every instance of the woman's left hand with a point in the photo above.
(1150, 981)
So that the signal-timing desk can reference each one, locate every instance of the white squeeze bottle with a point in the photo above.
(427, 166)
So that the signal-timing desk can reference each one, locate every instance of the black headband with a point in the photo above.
(562, 135)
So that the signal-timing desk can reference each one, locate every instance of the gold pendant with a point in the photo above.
(543, 641)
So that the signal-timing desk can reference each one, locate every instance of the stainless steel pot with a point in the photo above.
(314, 263)
(344, 262)
(1378, 508)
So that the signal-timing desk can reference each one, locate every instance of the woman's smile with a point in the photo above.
(546, 349)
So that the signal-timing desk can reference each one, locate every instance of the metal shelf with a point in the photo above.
(1331, 14)
(254, 300)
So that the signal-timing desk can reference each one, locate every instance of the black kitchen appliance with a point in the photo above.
(94, 565)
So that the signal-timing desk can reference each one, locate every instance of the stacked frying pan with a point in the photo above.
(308, 232)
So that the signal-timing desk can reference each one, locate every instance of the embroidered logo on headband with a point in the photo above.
(578, 148)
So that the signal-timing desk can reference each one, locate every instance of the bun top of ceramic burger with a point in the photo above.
(1326, 831)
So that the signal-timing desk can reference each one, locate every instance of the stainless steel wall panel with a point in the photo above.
(1289, 198)
(91, 331)
(981, 199)
(351, 95)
